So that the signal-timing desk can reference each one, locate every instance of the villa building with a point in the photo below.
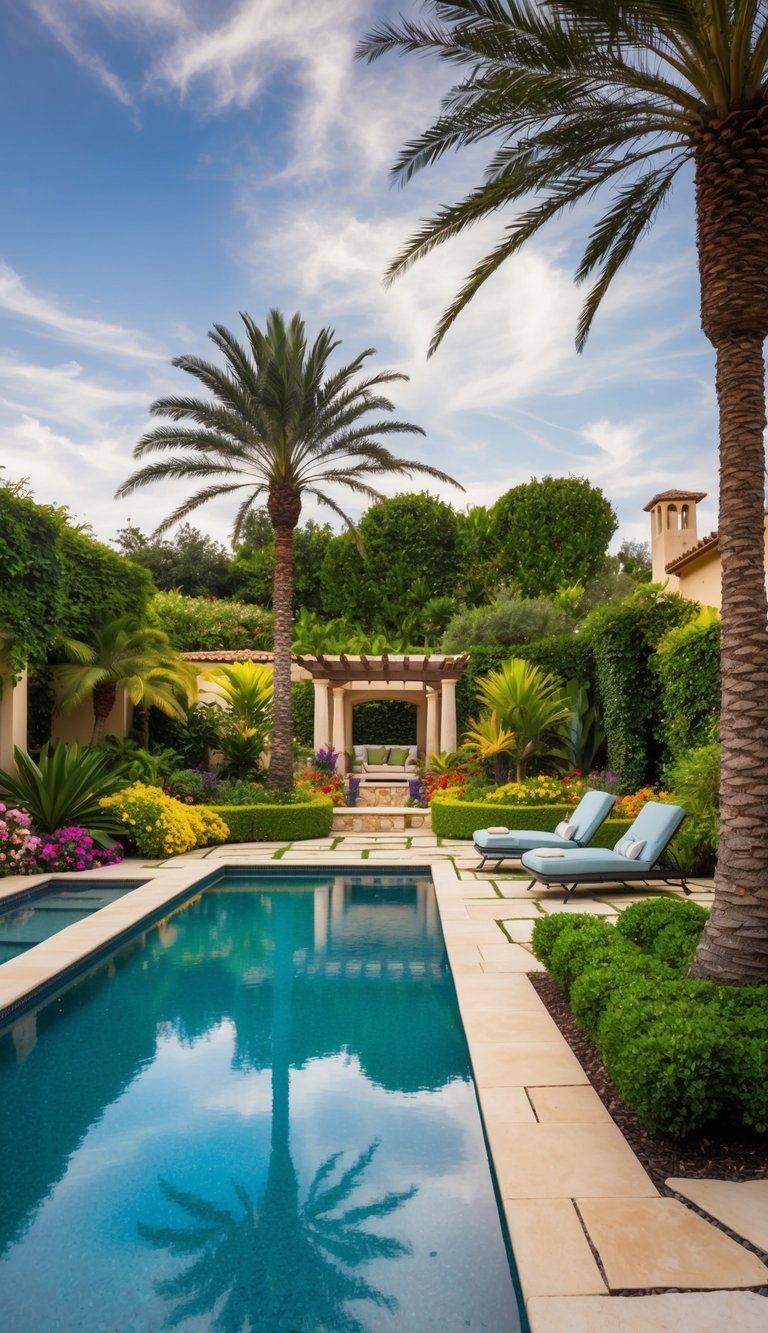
(687, 563)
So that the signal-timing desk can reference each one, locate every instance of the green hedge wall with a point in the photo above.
(384, 722)
(624, 639)
(303, 704)
(57, 581)
(453, 818)
(275, 823)
(688, 665)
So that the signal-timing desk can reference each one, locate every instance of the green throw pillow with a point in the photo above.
(398, 755)
(376, 754)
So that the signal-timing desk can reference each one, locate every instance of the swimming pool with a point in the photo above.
(258, 1115)
(36, 914)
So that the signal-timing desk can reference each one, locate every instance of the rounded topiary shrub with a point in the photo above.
(574, 950)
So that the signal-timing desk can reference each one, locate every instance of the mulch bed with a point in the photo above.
(736, 1158)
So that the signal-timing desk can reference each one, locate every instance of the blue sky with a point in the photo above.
(167, 163)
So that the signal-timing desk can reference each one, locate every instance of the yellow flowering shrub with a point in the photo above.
(541, 790)
(158, 825)
(207, 825)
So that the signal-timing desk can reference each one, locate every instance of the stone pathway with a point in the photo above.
(584, 1217)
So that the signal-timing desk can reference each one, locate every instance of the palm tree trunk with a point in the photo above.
(103, 702)
(734, 946)
(284, 507)
(732, 240)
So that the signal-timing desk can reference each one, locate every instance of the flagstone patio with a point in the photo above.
(584, 1217)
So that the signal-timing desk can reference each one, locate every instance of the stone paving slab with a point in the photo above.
(550, 1161)
(683, 1312)
(541, 1228)
(661, 1243)
(740, 1205)
(579, 1104)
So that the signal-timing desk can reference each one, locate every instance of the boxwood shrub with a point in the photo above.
(682, 1053)
(311, 818)
(455, 818)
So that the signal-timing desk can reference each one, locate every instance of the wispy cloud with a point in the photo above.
(49, 317)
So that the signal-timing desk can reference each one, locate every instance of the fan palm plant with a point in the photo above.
(578, 95)
(531, 705)
(129, 656)
(278, 424)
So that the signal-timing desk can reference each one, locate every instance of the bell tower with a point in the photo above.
(673, 530)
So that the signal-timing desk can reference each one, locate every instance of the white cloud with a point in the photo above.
(46, 315)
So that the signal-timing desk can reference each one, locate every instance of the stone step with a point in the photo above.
(379, 818)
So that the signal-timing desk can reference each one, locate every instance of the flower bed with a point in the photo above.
(456, 818)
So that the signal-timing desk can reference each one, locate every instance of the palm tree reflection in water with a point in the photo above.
(284, 1265)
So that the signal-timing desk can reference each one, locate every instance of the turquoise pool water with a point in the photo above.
(45, 911)
(258, 1116)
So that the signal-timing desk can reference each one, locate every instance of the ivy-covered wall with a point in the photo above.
(384, 722)
(57, 581)
(624, 639)
(688, 665)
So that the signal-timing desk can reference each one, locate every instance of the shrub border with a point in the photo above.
(455, 818)
(277, 823)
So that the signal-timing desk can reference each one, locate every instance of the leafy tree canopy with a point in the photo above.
(511, 619)
(254, 566)
(553, 532)
(190, 561)
(207, 623)
(411, 554)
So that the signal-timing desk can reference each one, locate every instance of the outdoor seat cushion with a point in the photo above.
(522, 839)
(587, 861)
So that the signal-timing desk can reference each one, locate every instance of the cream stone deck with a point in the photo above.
(585, 1219)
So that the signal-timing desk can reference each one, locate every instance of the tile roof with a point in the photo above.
(675, 495)
(703, 544)
(229, 655)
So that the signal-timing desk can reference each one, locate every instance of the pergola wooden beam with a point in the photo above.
(344, 669)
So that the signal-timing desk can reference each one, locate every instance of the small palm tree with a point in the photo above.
(246, 687)
(278, 424)
(129, 656)
(531, 704)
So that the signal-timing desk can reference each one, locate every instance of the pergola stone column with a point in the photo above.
(322, 727)
(433, 725)
(448, 715)
(13, 711)
(339, 729)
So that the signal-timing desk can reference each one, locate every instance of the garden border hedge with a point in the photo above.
(455, 818)
(275, 823)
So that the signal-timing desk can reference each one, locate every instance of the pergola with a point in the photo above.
(341, 682)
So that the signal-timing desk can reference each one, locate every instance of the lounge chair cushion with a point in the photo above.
(515, 841)
(587, 861)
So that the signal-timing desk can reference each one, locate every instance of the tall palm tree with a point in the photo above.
(278, 423)
(125, 655)
(582, 94)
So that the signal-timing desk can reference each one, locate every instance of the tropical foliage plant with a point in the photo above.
(65, 788)
(488, 740)
(585, 96)
(279, 424)
(129, 656)
(531, 705)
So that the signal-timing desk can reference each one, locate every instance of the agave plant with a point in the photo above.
(65, 788)
(531, 704)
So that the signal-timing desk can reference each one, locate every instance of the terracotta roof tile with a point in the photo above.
(703, 544)
(229, 655)
(675, 495)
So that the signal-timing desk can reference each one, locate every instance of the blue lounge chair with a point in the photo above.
(585, 818)
(637, 856)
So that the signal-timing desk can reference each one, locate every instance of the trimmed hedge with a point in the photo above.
(277, 823)
(57, 581)
(683, 1054)
(456, 818)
